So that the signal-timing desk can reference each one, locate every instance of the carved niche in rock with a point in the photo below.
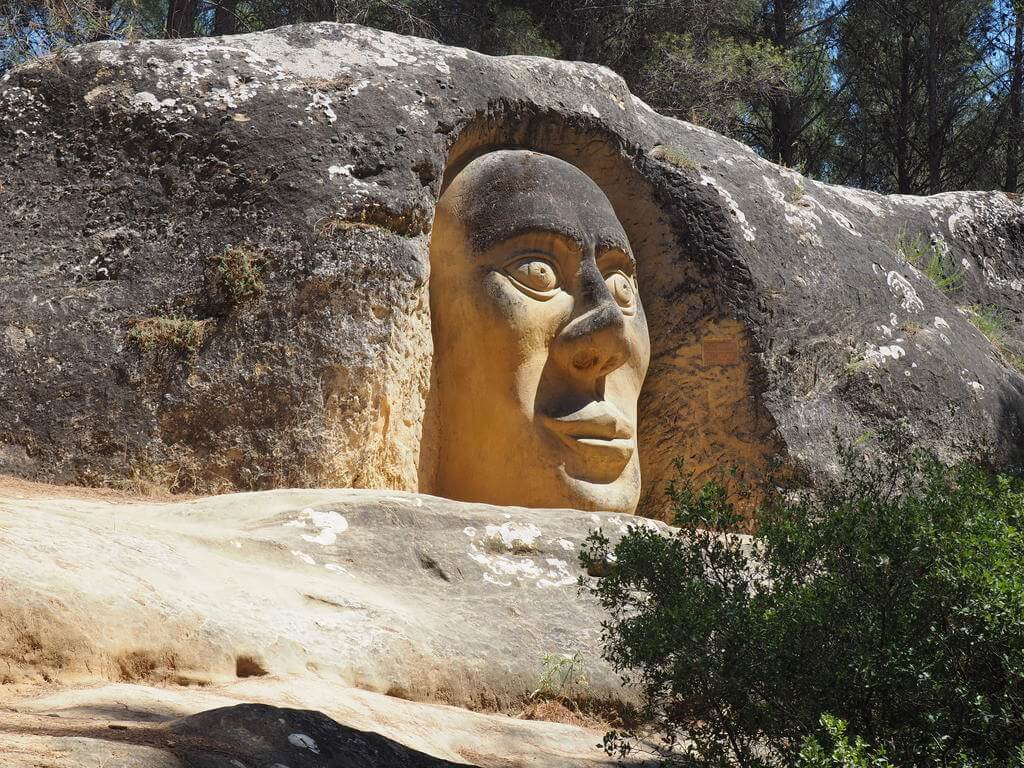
(540, 339)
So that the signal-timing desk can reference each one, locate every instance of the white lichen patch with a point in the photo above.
(841, 220)
(238, 91)
(940, 323)
(328, 525)
(878, 355)
(511, 537)
(148, 101)
(749, 232)
(307, 559)
(800, 214)
(904, 291)
(321, 103)
(302, 741)
(502, 570)
(558, 575)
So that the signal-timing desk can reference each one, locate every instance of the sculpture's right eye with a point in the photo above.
(536, 276)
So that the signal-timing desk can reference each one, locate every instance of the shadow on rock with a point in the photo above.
(259, 736)
(1010, 424)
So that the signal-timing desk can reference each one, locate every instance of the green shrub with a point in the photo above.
(933, 260)
(992, 322)
(842, 753)
(562, 677)
(892, 599)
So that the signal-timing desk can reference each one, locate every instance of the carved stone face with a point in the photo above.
(540, 340)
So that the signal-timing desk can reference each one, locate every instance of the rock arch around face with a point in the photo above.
(699, 402)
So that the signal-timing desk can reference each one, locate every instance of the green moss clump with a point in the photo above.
(676, 157)
(153, 334)
(240, 272)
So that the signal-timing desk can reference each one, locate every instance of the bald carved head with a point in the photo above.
(540, 339)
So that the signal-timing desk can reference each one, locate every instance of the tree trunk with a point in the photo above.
(783, 109)
(181, 18)
(1015, 129)
(935, 138)
(225, 17)
(904, 183)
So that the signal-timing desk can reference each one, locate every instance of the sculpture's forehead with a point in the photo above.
(509, 193)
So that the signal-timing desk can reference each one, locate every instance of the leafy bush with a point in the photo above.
(842, 754)
(892, 599)
(562, 677)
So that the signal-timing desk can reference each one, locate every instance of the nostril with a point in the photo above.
(584, 360)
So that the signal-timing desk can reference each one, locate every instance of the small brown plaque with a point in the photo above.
(721, 351)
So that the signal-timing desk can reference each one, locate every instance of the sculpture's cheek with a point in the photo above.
(533, 323)
(640, 346)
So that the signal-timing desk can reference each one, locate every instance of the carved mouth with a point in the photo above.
(598, 430)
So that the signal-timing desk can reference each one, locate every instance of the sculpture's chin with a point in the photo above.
(620, 495)
(597, 461)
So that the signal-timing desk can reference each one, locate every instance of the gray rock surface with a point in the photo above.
(779, 307)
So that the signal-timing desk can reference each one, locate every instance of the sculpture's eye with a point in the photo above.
(536, 275)
(621, 287)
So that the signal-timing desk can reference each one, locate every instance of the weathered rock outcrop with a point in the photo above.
(215, 253)
(376, 611)
(267, 722)
(403, 594)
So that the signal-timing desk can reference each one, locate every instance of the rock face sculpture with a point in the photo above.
(540, 339)
(215, 265)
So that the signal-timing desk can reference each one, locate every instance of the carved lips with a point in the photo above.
(599, 431)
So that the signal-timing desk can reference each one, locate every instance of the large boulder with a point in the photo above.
(408, 595)
(373, 628)
(215, 261)
(243, 723)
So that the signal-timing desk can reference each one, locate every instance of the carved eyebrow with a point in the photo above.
(492, 237)
(612, 244)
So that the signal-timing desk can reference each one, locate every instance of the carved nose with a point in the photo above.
(594, 343)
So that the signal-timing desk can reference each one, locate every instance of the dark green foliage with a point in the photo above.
(891, 600)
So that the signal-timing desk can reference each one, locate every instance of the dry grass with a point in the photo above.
(154, 334)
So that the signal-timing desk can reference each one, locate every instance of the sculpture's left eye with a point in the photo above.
(621, 287)
(535, 276)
